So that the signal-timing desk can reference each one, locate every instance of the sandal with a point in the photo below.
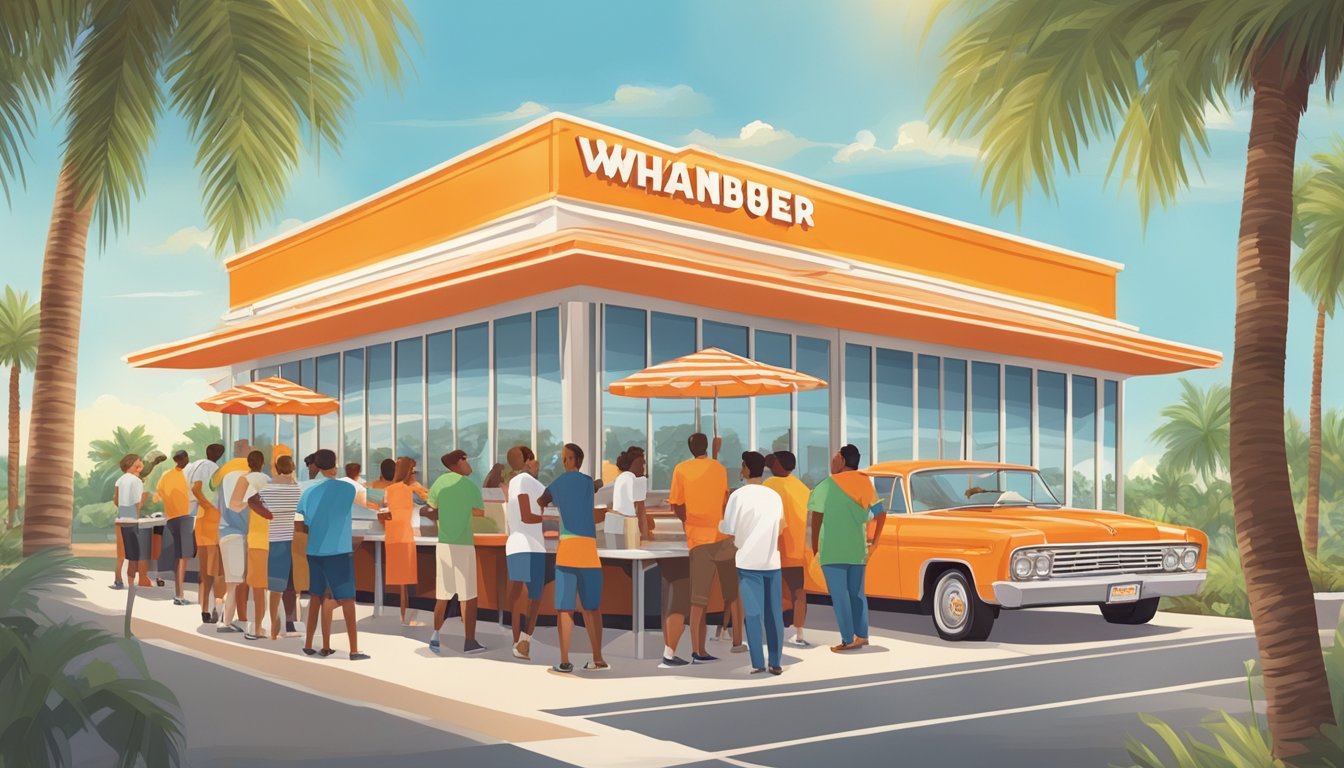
(596, 666)
(309, 652)
(325, 652)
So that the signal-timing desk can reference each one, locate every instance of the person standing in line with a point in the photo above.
(233, 522)
(326, 508)
(374, 492)
(209, 567)
(401, 568)
(841, 506)
(453, 501)
(578, 570)
(525, 549)
(258, 539)
(793, 541)
(626, 500)
(179, 541)
(698, 496)
(361, 503)
(310, 464)
(277, 503)
(128, 494)
(755, 520)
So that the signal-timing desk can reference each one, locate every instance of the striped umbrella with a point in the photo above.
(714, 373)
(274, 395)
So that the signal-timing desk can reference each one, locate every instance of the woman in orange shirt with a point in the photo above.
(399, 500)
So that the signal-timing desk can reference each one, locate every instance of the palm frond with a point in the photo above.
(33, 577)
(18, 329)
(1319, 205)
(1195, 432)
(377, 29)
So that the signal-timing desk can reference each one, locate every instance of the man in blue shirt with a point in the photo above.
(578, 570)
(325, 506)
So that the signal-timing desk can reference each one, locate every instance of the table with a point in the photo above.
(640, 561)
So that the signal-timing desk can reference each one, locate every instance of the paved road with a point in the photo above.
(1067, 710)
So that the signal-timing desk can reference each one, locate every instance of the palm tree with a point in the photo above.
(1318, 229)
(1172, 486)
(18, 350)
(1038, 81)
(1296, 446)
(197, 438)
(1195, 433)
(251, 78)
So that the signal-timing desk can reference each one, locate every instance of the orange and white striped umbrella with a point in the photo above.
(713, 373)
(274, 395)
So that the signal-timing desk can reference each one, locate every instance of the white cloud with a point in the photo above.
(1144, 466)
(915, 143)
(651, 101)
(288, 225)
(180, 242)
(524, 111)
(1219, 119)
(165, 418)
(758, 140)
(158, 295)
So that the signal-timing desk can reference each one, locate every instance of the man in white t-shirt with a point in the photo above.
(525, 549)
(754, 518)
(627, 494)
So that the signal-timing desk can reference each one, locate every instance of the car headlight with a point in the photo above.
(1171, 559)
(1022, 565)
(1189, 558)
(1042, 563)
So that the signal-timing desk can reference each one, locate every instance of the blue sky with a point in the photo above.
(834, 91)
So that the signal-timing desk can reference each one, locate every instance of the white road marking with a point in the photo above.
(975, 716)
(917, 678)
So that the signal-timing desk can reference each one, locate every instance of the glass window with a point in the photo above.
(286, 427)
(263, 427)
(352, 406)
(814, 412)
(670, 337)
(240, 427)
(1109, 400)
(734, 412)
(378, 364)
(624, 419)
(1084, 441)
(895, 393)
(859, 398)
(550, 414)
(952, 488)
(306, 440)
(1017, 414)
(328, 425)
(439, 406)
(473, 396)
(930, 389)
(954, 408)
(774, 413)
(984, 411)
(513, 384)
(410, 398)
(1052, 421)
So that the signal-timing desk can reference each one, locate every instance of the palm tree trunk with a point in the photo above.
(1311, 520)
(1297, 698)
(13, 474)
(49, 496)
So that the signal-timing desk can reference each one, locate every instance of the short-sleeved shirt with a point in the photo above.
(282, 499)
(130, 489)
(231, 522)
(700, 485)
(258, 527)
(232, 465)
(325, 506)
(754, 517)
(199, 471)
(455, 496)
(172, 491)
(793, 542)
(846, 502)
(523, 537)
(572, 494)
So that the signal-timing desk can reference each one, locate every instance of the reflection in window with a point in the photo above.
(439, 407)
(1109, 459)
(410, 398)
(306, 440)
(859, 398)
(774, 413)
(1050, 399)
(1084, 441)
(378, 364)
(286, 426)
(473, 397)
(240, 427)
(895, 404)
(954, 408)
(513, 384)
(670, 337)
(734, 413)
(550, 415)
(813, 357)
(984, 411)
(930, 393)
(624, 419)
(1017, 414)
(352, 406)
(328, 425)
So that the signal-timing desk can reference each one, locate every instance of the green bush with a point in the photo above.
(99, 515)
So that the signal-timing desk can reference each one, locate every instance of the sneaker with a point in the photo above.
(798, 642)
(181, 601)
(250, 636)
(697, 658)
(522, 650)
(776, 670)
(434, 646)
(289, 628)
(758, 670)
(309, 652)
(673, 663)
(564, 668)
(117, 585)
(227, 628)
(843, 647)
(325, 652)
(214, 616)
(471, 646)
(739, 648)
(206, 618)
(358, 656)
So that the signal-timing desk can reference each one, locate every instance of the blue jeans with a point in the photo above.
(762, 604)
(845, 583)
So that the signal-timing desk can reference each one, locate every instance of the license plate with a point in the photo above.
(1123, 593)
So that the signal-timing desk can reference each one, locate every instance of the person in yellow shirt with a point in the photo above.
(179, 541)
(793, 538)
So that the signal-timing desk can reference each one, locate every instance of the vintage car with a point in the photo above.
(967, 539)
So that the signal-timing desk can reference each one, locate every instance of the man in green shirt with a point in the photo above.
(453, 501)
(841, 506)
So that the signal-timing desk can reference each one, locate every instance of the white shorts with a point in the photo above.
(455, 573)
(233, 551)
(614, 523)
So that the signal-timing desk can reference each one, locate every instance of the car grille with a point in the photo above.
(1100, 560)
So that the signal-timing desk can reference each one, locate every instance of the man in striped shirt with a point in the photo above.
(279, 499)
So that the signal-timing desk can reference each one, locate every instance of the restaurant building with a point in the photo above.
(489, 301)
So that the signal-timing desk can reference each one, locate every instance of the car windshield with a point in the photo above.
(959, 488)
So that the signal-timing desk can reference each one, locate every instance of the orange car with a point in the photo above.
(967, 539)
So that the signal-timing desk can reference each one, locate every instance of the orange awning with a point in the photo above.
(274, 395)
(713, 372)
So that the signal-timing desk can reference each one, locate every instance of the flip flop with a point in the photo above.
(325, 652)
(593, 666)
(309, 652)
(358, 656)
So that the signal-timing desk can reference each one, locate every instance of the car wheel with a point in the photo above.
(958, 612)
(1137, 612)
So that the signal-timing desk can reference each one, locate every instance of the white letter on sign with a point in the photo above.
(779, 206)
(758, 201)
(802, 211)
(732, 192)
(678, 181)
(707, 186)
(613, 163)
(649, 173)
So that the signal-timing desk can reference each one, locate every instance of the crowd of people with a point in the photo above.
(271, 536)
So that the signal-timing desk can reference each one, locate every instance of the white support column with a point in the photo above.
(1120, 445)
(1068, 440)
(1099, 428)
(836, 393)
(914, 405)
(576, 377)
(872, 405)
(1003, 412)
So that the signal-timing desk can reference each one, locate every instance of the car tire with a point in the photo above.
(958, 612)
(1137, 612)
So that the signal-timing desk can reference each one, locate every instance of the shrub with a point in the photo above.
(99, 515)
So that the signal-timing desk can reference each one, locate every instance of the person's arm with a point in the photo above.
(728, 524)
(877, 529)
(599, 513)
(362, 498)
(643, 517)
(239, 493)
(676, 497)
(116, 495)
(716, 445)
(525, 510)
(259, 507)
(816, 531)
(140, 502)
(545, 500)
(200, 495)
(477, 512)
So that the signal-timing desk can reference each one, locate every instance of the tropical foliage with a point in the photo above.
(18, 351)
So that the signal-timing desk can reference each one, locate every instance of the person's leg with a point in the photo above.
(291, 600)
(774, 618)
(725, 567)
(240, 600)
(121, 556)
(533, 609)
(837, 584)
(676, 576)
(515, 603)
(327, 607)
(859, 600)
(564, 622)
(590, 585)
(798, 595)
(701, 566)
(259, 600)
(351, 626)
(469, 620)
(753, 599)
(592, 621)
(275, 615)
(440, 613)
(314, 615)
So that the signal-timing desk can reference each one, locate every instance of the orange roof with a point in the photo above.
(888, 468)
